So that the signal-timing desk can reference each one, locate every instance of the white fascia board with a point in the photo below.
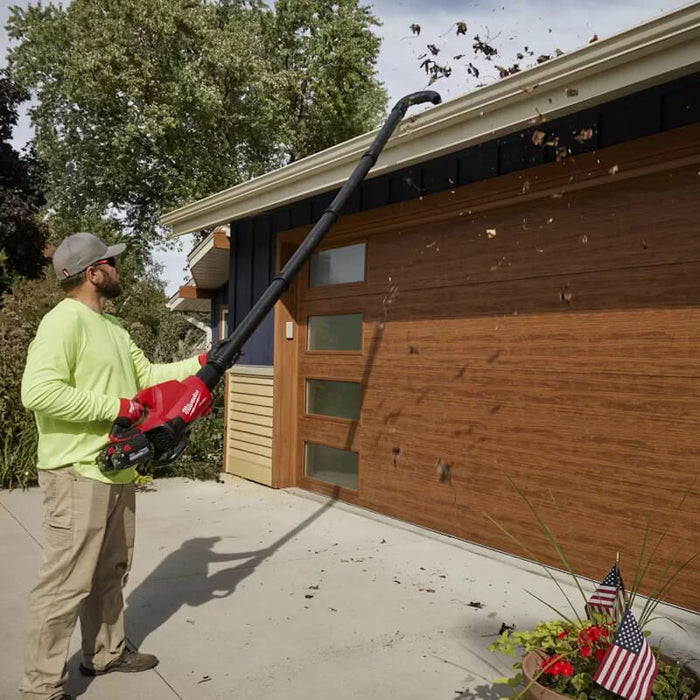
(649, 54)
(201, 250)
(180, 305)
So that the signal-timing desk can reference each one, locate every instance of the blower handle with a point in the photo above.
(228, 352)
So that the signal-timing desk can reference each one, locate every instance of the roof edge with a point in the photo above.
(651, 53)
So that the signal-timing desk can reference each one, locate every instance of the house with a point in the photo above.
(513, 293)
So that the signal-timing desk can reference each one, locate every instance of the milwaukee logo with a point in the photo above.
(192, 404)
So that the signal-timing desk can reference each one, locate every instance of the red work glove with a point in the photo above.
(130, 411)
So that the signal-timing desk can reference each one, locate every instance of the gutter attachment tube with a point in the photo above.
(229, 352)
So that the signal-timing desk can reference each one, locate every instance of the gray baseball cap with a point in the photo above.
(77, 252)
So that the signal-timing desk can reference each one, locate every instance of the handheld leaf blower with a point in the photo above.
(171, 407)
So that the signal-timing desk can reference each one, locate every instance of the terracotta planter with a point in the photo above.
(531, 667)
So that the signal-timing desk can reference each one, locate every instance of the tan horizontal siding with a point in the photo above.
(249, 425)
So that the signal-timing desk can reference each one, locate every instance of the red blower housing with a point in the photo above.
(162, 434)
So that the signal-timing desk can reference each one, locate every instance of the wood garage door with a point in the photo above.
(554, 342)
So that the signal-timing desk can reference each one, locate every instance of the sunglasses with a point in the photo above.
(105, 261)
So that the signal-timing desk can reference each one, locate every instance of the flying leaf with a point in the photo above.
(457, 57)
(461, 28)
(415, 28)
(433, 49)
(584, 135)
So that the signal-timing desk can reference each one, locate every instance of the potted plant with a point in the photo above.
(600, 651)
(559, 658)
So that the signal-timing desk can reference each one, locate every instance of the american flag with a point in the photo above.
(609, 597)
(628, 667)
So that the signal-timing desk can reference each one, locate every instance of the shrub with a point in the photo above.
(20, 314)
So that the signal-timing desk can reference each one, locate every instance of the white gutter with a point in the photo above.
(650, 54)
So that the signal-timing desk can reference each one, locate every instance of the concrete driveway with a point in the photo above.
(246, 592)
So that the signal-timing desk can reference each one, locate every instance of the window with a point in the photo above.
(331, 465)
(338, 265)
(335, 332)
(332, 398)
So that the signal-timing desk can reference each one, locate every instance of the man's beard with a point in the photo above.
(108, 288)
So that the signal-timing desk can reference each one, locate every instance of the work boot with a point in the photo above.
(128, 662)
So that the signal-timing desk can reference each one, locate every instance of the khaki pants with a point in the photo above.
(89, 532)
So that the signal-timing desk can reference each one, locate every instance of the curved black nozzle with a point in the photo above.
(227, 353)
(416, 98)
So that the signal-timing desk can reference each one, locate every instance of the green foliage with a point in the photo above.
(324, 57)
(144, 104)
(20, 314)
(22, 236)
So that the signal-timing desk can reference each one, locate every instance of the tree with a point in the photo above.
(22, 236)
(325, 55)
(144, 105)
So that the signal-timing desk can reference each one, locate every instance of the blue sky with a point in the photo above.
(543, 25)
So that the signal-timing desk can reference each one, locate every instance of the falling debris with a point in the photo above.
(572, 92)
(538, 138)
(584, 239)
(566, 295)
(205, 679)
(505, 627)
(480, 46)
(491, 232)
(584, 135)
(433, 49)
(614, 170)
(505, 72)
(475, 604)
(526, 187)
(461, 28)
(593, 39)
(415, 28)
(309, 596)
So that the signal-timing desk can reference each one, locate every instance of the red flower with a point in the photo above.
(556, 666)
(604, 631)
(585, 651)
(566, 668)
(563, 635)
(599, 654)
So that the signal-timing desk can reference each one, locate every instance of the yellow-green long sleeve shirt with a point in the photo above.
(78, 367)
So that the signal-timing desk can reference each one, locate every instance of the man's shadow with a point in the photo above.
(182, 578)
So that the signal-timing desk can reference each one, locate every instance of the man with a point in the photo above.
(81, 374)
